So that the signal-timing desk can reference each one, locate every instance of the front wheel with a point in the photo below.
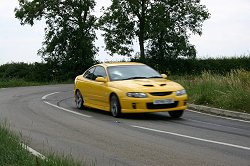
(176, 114)
(115, 107)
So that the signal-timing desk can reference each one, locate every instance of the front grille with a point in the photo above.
(160, 93)
(161, 106)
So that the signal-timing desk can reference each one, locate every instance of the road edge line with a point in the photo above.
(67, 110)
(61, 108)
(217, 116)
(45, 96)
(33, 151)
(222, 112)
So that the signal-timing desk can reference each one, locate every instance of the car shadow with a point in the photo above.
(149, 116)
(132, 116)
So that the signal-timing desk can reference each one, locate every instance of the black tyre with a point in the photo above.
(176, 114)
(115, 107)
(79, 100)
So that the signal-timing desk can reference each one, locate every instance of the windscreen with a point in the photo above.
(126, 72)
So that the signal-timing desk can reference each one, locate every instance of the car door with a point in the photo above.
(86, 85)
(100, 89)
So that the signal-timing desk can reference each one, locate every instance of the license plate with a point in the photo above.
(165, 101)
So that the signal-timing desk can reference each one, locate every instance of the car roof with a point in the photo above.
(120, 64)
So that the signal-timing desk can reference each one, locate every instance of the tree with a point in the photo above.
(172, 24)
(161, 24)
(122, 22)
(69, 32)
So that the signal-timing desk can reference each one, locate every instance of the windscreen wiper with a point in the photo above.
(131, 78)
(155, 77)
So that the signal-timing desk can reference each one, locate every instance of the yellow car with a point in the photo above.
(128, 87)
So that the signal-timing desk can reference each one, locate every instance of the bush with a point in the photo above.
(38, 72)
(182, 66)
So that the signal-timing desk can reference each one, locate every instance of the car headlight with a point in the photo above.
(137, 94)
(181, 92)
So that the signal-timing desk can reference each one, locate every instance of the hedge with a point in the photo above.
(42, 72)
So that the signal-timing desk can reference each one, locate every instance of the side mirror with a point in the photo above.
(101, 79)
(164, 76)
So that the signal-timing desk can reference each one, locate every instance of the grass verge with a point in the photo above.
(230, 91)
(20, 82)
(12, 153)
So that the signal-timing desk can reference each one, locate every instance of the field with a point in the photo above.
(230, 91)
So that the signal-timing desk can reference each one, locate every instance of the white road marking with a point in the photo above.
(161, 131)
(67, 110)
(219, 116)
(194, 138)
(34, 152)
(45, 97)
(61, 108)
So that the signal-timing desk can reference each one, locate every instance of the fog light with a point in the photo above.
(134, 105)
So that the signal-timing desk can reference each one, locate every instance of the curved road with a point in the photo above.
(48, 120)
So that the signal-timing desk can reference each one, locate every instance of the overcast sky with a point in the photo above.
(225, 34)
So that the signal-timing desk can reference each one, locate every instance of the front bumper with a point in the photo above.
(143, 105)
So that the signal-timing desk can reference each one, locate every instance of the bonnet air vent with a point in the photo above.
(148, 85)
(163, 84)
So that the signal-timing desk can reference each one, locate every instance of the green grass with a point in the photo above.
(230, 91)
(13, 154)
(21, 82)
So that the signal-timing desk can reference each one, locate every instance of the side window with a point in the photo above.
(89, 74)
(99, 72)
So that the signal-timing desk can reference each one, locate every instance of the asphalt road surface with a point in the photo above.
(48, 121)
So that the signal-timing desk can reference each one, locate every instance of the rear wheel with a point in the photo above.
(176, 114)
(79, 100)
(115, 107)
